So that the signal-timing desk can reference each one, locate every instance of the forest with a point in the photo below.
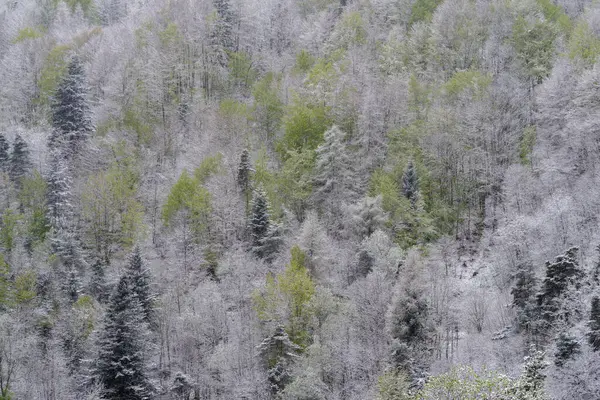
(300, 199)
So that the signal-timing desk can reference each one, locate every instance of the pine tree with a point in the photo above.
(73, 284)
(141, 284)
(98, 286)
(244, 176)
(524, 296)
(19, 160)
(278, 352)
(260, 222)
(567, 347)
(120, 366)
(410, 183)
(593, 334)
(58, 198)
(561, 275)
(70, 110)
(223, 30)
(4, 155)
(531, 382)
(367, 216)
(333, 171)
(596, 270)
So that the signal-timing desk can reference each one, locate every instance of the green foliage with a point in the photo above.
(189, 197)
(294, 180)
(584, 44)
(110, 205)
(136, 122)
(393, 385)
(472, 80)
(5, 284)
(9, 229)
(241, 69)
(268, 108)
(27, 33)
(287, 296)
(231, 108)
(465, 384)
(555, 13)
(350, 31)
(52, 72)
(25, 288)
(85, 312)
(86, 5)
(422, 10)
(170, 36)
(304, 123)
(526, 144)
(208, 167)
(304, 61)
(534, 45)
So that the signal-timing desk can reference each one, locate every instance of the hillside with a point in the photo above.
(299, 199)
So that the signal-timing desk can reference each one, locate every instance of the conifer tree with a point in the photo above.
(223, 31)
(70, 109)
(524, 296)
(120, 366)
(561, 275)
(531, 382)
(333, 171)
(58, 198)
(19, 160)
(244, 176)
(593, 334)
(4, 154)
(278, 352)
(98, 286)
(410, 183)
(567, 347)
(260, 222)
(141, 280)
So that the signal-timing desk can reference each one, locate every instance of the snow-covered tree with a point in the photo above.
(20, 162)
(244, 176)
(367, 216)
(120, 366)
(333, 180)
(410, 183)
(60, 208)
(141, 280)
(524, 296)
(4, 154)
(278, 353)
(260, 221)
(562, 275)
(71, 118)
(593, 334)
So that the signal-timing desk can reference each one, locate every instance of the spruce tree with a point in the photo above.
(593, 334)
(278, 352)
(19, 160)
(524, 296)
(260, 222)
(223, 30)
(333, 171)
(561, 275)
(531, 382)
(70, 109)
(4, 155)
(141, 284)
(567, 347)
(98, 286)
(410, 183)
(244, 176)
(58, 198)
(120, 366)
